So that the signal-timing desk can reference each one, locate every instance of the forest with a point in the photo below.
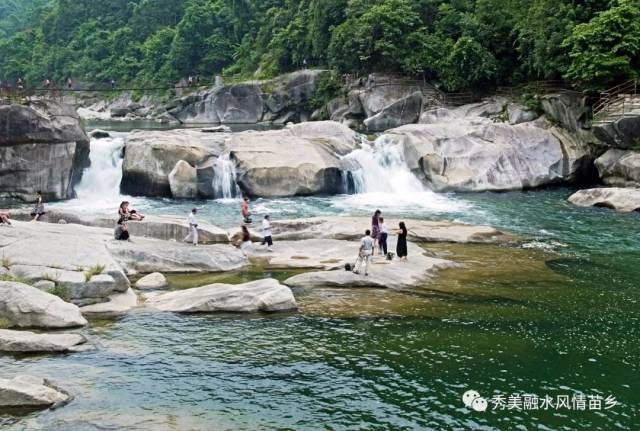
(460, 44)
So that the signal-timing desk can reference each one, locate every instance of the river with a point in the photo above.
(556, 315)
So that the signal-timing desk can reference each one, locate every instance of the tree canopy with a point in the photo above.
(463, 44)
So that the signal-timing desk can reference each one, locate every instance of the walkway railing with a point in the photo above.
(617, 102)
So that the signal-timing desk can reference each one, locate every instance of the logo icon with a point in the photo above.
(473, 400)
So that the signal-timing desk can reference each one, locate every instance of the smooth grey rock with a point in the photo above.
(154, 280)
(150, 156)
(476, 154)
(519, 114)
(619, 168)
(30, 342)
(620, 199)
(352, 228)
(262, 295)
(217, 129)
(623, 132)
(32, 392)
(27, 307)
(302, 159)
(333, 256)
(99, 134)
(42, 147)
(45, 285)
(117, 305)
(183, 181)
(151, 255)
(401, 112)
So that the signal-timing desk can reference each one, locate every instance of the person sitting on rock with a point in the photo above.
(38, 210)
(364, 254)
(193, 227)
(266, 233)
(244, 210)
(126, 214)
(4, 218)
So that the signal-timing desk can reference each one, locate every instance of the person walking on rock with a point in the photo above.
(266, 233)
(401, 247)
(364, 254)
(245, 245)
(193, 227)
(244, 210)
(38, 209)
(384, 233)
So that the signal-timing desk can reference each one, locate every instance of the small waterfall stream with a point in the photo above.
(224, 180)
(101, 180)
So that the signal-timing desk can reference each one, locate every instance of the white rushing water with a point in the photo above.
(224, 179)
(100, 184)
(382, 179)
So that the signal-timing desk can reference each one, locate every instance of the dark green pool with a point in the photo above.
(557, 316)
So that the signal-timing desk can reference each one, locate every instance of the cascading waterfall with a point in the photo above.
(224, 178)
(380, 176)
(101, 180)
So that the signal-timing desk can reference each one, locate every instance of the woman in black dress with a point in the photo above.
(401, 247)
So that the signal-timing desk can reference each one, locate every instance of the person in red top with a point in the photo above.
(244, 209)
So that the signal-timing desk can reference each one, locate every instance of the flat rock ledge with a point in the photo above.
(154, 280)
(266, 295)
(24, 306)
(618, 198)
(332, 255)
(25, 391)
(351, 228)
(31, 342)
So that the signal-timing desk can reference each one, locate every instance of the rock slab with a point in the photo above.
(620, 199)
(266, 295)
(32, 392)
(31, 342)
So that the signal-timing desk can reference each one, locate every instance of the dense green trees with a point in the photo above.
(460, 43)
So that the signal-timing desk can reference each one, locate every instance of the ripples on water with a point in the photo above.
(559, 316)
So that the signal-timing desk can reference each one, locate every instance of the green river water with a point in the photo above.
(556, 315)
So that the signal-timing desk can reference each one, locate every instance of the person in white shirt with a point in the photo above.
(384, 234)
(364, 254)
(193, 227)
(266, 233)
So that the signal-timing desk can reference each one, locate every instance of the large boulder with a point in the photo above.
(398, 113)
(299, 160)
(619, 168)
(30, 342)
(183, 181)
(620, 199)
(27, 307)
(262, 295)
(478, 154)
(150, 156)
(623, 132)
(24, 391)
(42, 147)
(117, 305)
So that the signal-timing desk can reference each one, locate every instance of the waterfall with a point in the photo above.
(101, 180)
(380, 176)
(224, 178)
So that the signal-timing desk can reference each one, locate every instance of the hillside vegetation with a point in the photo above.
(461, 43)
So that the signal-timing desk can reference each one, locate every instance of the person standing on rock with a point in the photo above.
(38, 209)
(375, 227)
(193, 227)
(244, 210)
(245, 245)
(364, 254)
(384, 233)
(401, 247)
(266, 233)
